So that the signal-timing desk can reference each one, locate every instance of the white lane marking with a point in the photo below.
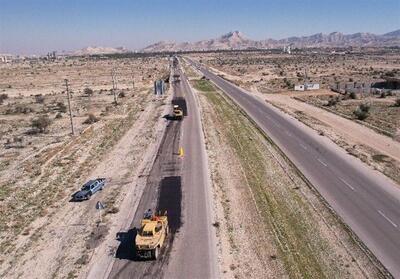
(303, 146)
(387, 219)
(347, 184)
(274, 122)
(322, 162)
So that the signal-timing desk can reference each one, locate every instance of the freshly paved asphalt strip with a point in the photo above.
(181, 186)
(365, 199)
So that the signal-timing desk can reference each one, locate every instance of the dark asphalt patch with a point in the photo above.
(169, 199)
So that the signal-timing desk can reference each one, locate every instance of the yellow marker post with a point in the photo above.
(181, 152)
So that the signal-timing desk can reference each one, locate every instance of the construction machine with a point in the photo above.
(152, 235)
(177, 113)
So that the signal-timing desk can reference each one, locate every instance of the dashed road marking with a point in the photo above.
(322, 162)
(303, 146)
(387, 219)
(273, 122)
(347, 184)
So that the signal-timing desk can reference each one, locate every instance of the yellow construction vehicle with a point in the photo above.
(151, 236)
(177, 113)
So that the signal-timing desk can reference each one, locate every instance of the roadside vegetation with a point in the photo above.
(42, 164)
(380, 115)
(308, 240)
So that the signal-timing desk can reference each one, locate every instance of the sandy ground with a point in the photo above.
(69, 236)
(42, 233)
(349, 130)
(277, 72)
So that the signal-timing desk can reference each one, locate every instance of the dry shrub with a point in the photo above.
(91, 119)
(39, 99)
(61, 107)
(88, 91)
(362, 111)
(41, 123)
(3, 97)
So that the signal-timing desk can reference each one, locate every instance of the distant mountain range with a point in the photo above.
(237, 40)
(94, 50)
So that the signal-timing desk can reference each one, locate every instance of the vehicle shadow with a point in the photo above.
(126, 249)
(73, 199)
(169, 117)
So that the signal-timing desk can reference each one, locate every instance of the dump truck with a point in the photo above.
(177, 113)
(152, 234)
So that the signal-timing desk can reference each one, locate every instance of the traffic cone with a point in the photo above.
(181, 152)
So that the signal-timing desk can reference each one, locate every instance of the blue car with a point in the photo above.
(89, 188)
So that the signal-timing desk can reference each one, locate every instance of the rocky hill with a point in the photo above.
(236, 40)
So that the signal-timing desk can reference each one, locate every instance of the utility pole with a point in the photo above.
(113, 76)
(69, 107)
(133, 81)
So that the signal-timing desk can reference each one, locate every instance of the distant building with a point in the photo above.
(5, 58)
(307, 86)
(51, 55)
(312, 86)
(299, 87)
(287, 49)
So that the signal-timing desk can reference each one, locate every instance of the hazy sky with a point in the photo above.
(39, 26)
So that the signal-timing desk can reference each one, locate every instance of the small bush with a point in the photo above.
(3, 97)
(365, 107)
(58, 115)
(88, 91)
(362, 112)
(122, 94)
(91, 119)
(61, 107)
(41, 123)
(361, 115)
(39, 99)
(333, 101)
(397, 102)
(383, 95)
(20, 108)
(353, 95)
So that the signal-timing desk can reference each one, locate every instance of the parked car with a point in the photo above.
(88, 189)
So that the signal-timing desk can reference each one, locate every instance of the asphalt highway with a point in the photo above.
(367, 201)
(180, 186)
